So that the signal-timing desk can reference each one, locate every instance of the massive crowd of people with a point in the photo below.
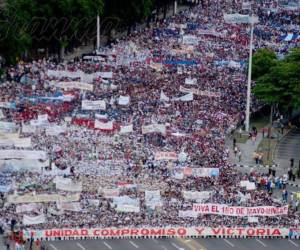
(185, 76)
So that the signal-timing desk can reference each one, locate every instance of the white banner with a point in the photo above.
(104, 125)
(31, 198)
(195, 195)
(188, 213)
(66, 184)
(54, 130)
(7, 127)
(93, 105)
(153, 199)
(154, 128)
(29, 220)
(15, 165)
(199, 92)
(190, 81)
(106, 75)
(205, 172)
(126, 129)
(124, 100)
(189, 39)
(69, 206)
(109, 193)
(28, 128)
(73, 85)
(222, 209)
(145, 231)
(16, 142)
(238, 18)
(127, 208)
(166, 156)
(186, 98)
(23, 154)
(27, 208)
(163, 97)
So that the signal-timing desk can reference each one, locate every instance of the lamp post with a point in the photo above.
(98, 33)
(249, 79)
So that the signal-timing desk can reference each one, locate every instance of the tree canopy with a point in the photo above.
(278, 81)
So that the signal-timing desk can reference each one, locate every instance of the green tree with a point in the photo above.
(281, 84)
(263, 60)
(55, 23)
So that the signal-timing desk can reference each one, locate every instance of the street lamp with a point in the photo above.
(98, 33)
(249, 78)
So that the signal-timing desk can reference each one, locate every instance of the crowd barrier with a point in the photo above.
(161, 232)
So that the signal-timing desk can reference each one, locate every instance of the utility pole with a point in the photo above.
(249, 78)
(270, 132)
(175, 7)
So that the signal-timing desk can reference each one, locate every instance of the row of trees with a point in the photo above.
(54, 24)
(277, 80)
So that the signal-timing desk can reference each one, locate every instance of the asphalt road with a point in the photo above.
(177, 244)
(289, 147)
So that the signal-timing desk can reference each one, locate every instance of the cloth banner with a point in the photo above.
(205, 172)
(29, 220)
(16, 142)
(15, 165)
(23, 154)
(186, 98)
(163, 97)
(190, 81)
(54, 130)
(222, 209)
(253, 219)
(27, 128)
(27, 208)
(191, 40)
(5, 188)
(188, 213)
(154, 128)
(104, 125)
(109, 193)
(69, 206)
(73, 85)
(194, 195)
(66, 184)
(153, 199)
(169, 231)
(124, 100)
(8, 127)
(8, 105)
(93, 105)
(159, 156)
(199, 92)
(126, 129)
(31, 198)
(238, 18)
(128, 208)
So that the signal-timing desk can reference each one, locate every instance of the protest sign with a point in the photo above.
(154, 128)
(104, 125)
(93, 105)
(31, 198)
(222, 209)
(159, 156)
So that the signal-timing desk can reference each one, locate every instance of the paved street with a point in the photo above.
(177, 244)
(289, 147)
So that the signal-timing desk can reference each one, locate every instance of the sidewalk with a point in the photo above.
(247, 161)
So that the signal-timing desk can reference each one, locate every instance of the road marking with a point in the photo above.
(132, 243)
(106, 244)
(163, 247)
(187, 240)
(229, 243)
(292, 242)
(177, 247)
(192, 244)
(155, 240)
(80, 246)
(260, 242)
(54, 247)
